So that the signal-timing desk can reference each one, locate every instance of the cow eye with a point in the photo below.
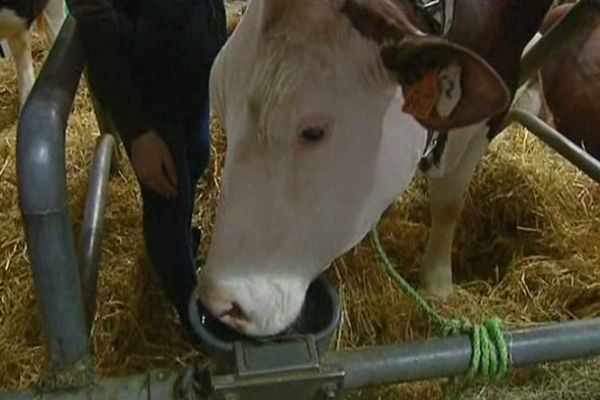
(313, 134)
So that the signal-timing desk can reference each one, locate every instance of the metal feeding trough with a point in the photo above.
(318, 322)
(288, 364)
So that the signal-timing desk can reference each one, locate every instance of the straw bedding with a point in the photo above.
(527, 250)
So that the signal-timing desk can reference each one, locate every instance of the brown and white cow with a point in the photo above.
(566, 92)
(16, 19)
(327, 123)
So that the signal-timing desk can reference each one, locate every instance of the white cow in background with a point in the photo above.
(16, 20)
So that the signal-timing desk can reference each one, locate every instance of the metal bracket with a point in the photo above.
(291, 369)
(440, 13)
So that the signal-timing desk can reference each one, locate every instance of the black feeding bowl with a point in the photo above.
(320, 318)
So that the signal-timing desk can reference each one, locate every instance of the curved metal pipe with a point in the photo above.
(558, 142)
(44, 205)
(92, 229)
(577, 23)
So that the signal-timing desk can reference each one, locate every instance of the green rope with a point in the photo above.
(490, 351)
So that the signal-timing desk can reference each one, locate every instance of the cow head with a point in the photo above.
(326, 104)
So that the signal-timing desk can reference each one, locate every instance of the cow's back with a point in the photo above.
(498, 31)
(28, 10)
(572, 91)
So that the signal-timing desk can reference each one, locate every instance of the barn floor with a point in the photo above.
(527, 250)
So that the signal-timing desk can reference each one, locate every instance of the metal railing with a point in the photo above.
(44, 203)
(343, 371)
(65, 276)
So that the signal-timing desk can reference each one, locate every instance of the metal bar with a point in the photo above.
(451, 356)
(158, 385)
(93, 225)
(43, 201)
(407, 363)
(558, 142)
(553, 343)
(577, 24)
(375, 366)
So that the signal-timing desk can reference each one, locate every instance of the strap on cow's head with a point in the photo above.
(439, 14)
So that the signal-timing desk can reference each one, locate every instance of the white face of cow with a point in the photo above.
(318, 147)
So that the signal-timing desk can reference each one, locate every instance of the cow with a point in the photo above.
(16, 20)
(338, 105)
(566, 91)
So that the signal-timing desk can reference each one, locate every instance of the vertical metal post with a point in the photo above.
(44, 205)
(93, 224)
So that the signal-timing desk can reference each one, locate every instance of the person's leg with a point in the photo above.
(198, 157)
(180, 116)
(167, 225)
(171, 242)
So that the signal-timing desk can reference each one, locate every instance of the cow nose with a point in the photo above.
(235, 312)
(253, 306)
(229, 312)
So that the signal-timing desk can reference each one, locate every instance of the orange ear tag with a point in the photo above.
(423, 96)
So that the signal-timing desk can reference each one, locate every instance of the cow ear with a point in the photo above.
(378, 19)
(445, 85)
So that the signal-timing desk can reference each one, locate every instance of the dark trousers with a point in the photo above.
(167, 223)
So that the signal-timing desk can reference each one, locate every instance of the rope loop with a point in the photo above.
(490, 355)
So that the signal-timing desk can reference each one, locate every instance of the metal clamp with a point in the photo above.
(290, 369)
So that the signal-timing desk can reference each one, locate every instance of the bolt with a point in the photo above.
(329, 392)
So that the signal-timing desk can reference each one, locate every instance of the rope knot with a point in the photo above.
(459, 326)
(490, 355)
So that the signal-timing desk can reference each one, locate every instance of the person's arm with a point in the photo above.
(109, 70)
(109, 67)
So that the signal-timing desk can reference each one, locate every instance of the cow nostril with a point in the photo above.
(235, 312)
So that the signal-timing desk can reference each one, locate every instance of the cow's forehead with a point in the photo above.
(278, 90)
(301, 17)
(287, 70)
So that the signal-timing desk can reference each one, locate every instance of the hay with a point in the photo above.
(235, 10)
(526, 250)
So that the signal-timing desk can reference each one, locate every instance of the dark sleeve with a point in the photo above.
(108, 65)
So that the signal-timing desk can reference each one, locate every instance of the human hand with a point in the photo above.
(153, 164)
